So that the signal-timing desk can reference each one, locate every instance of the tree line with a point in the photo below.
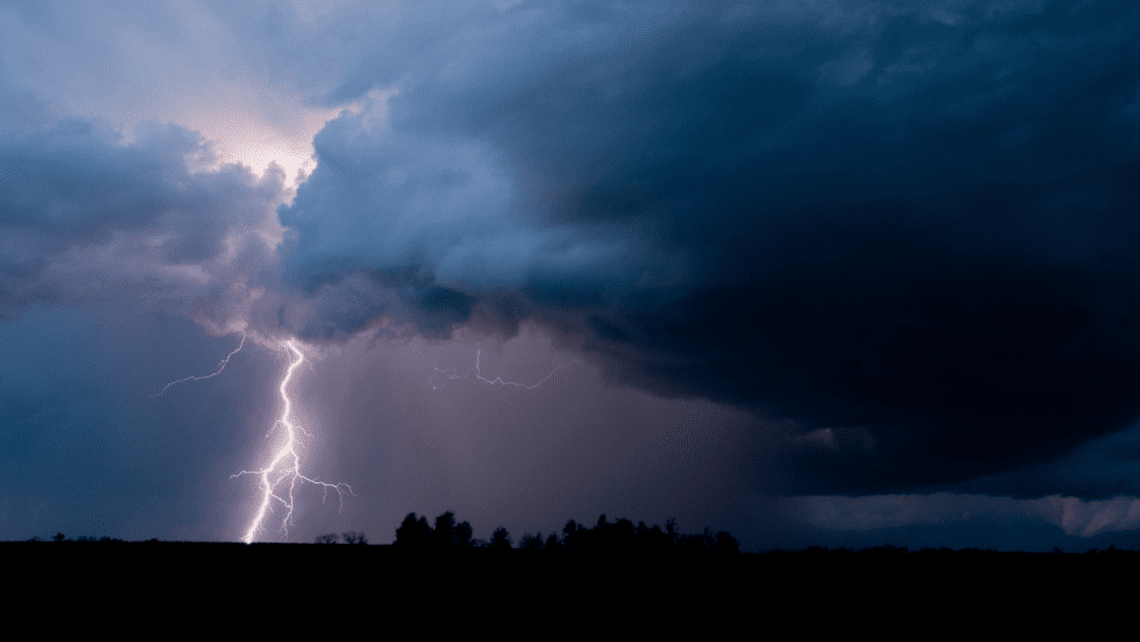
(620, 536)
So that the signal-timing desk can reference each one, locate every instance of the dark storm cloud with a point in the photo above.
(906, 228)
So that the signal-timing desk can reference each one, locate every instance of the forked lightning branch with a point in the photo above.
(279, 478)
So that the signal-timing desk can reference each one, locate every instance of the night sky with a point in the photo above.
(815, 272)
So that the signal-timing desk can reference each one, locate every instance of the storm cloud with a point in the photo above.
(904, 229)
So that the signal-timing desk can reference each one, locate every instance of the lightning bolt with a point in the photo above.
(221, 367)
(280, 477)
(452, 375)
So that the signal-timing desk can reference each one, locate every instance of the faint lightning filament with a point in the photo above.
(279, 478)
(452, 375)
(221, 367)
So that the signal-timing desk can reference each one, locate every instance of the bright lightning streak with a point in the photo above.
(452, 375)
(221, 367)
(284, 468)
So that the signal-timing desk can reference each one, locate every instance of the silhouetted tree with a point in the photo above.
(501, 538)
(697, 543)
(354, 537)
(570, 528)
(671, 531)
(531, 542)
(414, 533)
(463, 534)
(327, 538)
(726, 544)
(621, 536)
(444, 535)
(572, 535)
(652, 539)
